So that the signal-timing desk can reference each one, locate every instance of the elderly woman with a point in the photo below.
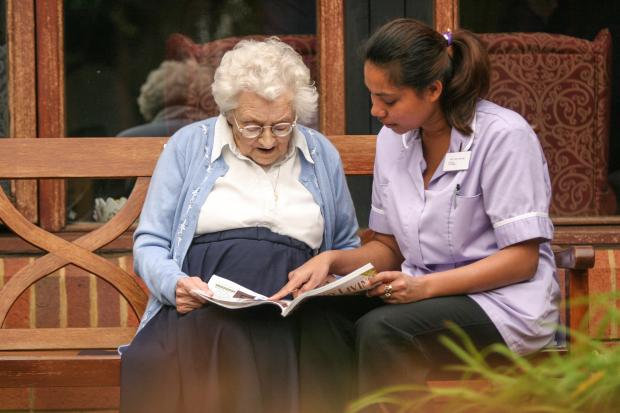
(249, 195)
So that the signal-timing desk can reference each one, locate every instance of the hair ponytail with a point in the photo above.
(469, 81)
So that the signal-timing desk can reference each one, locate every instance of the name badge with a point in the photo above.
(456, 161)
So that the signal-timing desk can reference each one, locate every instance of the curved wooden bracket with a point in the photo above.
(80, 252)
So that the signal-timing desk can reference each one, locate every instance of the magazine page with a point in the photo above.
(229, 294)
(352, 283)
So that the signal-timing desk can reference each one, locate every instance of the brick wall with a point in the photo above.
(70, 297)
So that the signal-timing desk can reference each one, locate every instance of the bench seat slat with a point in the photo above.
(65, 338)
(76, 371)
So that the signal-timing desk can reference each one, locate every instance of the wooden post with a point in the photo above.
(51, 104)
(446, 15)
(330, 33)
(22, 92)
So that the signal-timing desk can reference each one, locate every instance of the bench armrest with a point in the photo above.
(576, 257)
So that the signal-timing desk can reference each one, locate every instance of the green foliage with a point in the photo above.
(587, 379)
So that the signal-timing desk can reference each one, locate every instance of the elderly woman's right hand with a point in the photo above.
(186, 301)
(313, 273)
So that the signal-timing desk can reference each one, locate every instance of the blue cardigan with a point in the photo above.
(182, 180)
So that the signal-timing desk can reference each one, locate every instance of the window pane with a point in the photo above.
(577, 18)
(133, 69)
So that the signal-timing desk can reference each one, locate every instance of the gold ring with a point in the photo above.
(387, 292)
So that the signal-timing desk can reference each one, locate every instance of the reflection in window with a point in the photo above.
(137, 70)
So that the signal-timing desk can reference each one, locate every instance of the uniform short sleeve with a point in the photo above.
(515, 185)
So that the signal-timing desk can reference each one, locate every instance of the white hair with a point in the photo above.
(268, 68)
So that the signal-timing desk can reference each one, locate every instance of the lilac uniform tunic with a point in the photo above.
(501, 199)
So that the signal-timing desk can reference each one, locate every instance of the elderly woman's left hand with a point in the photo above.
(187, 301)
(396, 287)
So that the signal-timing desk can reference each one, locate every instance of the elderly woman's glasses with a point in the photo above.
(280, 130)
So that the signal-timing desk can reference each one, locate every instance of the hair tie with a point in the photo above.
(448, 36)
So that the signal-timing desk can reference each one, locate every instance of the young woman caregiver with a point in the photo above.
(459, 212)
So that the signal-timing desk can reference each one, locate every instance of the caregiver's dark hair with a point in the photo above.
(415, 55)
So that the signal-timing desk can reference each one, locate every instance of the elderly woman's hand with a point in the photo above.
(312, 274)
(186, 301)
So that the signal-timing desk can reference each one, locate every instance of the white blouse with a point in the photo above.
(250, 196)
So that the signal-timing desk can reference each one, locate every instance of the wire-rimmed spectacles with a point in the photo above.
(281, 130)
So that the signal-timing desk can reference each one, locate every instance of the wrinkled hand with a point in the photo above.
(396, 287)
(186, 301)
(314, 273)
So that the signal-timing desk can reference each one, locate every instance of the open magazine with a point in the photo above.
(229, 294)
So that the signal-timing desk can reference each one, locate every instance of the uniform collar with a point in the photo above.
(458, 141)
(224, 137)
(409, 137)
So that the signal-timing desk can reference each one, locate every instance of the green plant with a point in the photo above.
(585, 380)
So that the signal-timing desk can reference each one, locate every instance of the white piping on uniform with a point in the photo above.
(404, 139)
(520, 217)
(377, 210)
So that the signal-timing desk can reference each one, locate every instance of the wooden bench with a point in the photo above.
(54, 357)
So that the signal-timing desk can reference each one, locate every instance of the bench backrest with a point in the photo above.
(125, 158)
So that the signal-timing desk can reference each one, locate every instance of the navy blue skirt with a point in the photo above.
(217, 360)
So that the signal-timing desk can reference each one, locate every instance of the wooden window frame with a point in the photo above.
(22, 92)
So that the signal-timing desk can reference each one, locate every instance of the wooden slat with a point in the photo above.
(127, 157)
(12, 244)
(86, 371)
(62, 371)
(357, 153)
(79, 157)
(597, 235)
(331, 66)
(598, 231)
(586, 221)
(22, 92)
(65, 338)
